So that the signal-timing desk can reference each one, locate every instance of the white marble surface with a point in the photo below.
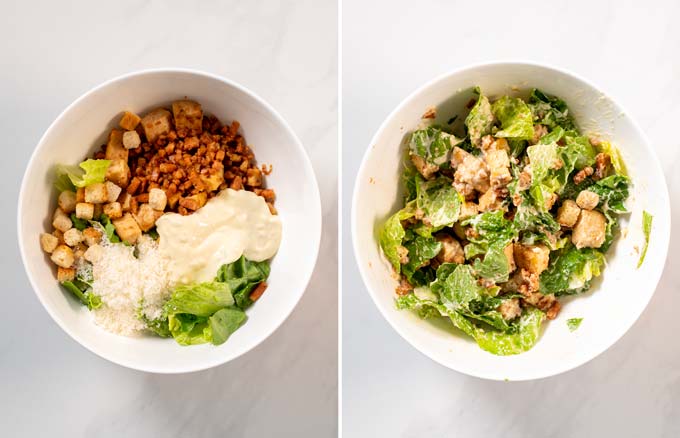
(630, 50)
(54, 51)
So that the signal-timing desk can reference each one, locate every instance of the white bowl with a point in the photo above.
(615, 302)
(82, 128)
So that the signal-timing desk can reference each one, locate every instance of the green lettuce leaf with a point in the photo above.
(433, 145)
(480, 120)
(439, 201)
(580, 147)
(420, 251)
(574, 323)
(615, 155)
(525, 335)
(392, 235)
(456, 286)
(646, 230)
(550, 111)
(515, 117)
(494, 266)
(90, 172)
(189, 329)
(202, 299)
(613, 192)
(225, 322)
(83, 291)
(491, 228)
(571, 270)
(79, 224)
(242, 276)
(109, 229)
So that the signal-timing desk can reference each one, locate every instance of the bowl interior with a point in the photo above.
(83, 127)
(616, 299)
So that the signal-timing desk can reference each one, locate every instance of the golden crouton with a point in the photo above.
(499, 167)
(510, 255)
(145, 217)
(550, 200)
(73, 237)
(96, 193)
(533, 258)
(79, 251)
(59, 235)
(188, 117)
(127, 228)
(61, 221)
(48, 242)
(118, 173)
(112, 191)
(510, 309)
(65, 274)
(452, 251)
(98, 210)
(124, 200)
(567, 214)
(114, 146)
(131, 140)
(587, 199)
(67, 201)
(489, 200)
(590, 230)
(94, 253)
(213, 181)
(468, 209)
(158, 122)
(91, 236)
(113, 210)
(194, 202)
(129, 121)
(173, 200)
(254, 177)
(63, 256)
(157, 199)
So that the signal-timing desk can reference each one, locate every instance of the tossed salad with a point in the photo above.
(503, 215)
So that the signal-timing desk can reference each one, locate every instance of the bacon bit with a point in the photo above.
(258, 291)
(430, 113)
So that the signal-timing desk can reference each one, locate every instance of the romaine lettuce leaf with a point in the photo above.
(515, 117)
(456, 286)
(491, 228)
(571, 270)
(202, 299)
(579, 147)
(439, 201)
(494, 266)
(480, 120)
(225, 322)
(83, 291)
(420, 251)
(392, 235)
(521, 339)
(615, 155)
(79, 224)
(242, 276)
(574, 323)
(188, 329)
(109, 229)
(646, 230)
(613, 192)
(90, 172)
(433, 145)
(550, 111)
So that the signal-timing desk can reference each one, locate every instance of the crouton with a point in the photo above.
(73, 237)
(451, 252)
(48, 242)
(157, 199)
(468, 209)
(510, 255)
(587, 200)
(131, 140)
(61, 221)
(67, 201)
(158, 122)
(590, 229)
(127, 228)
(173, 200)
(567, 214)
(254, 177)
(63, 256)
(498, 164)
(533, 258)
(114, 146)
(489, 200)
(550, 200)
(213, 181)
(59, 235)
(98, 210)
(471, 172)
(129, 121)
(194, 202)
(113, 210)
(79, 251)
(94, 253)
(124, 201)
(188, 117)
(118, 173)
(91, 236)
(112, 191)
(65, 274)
(145, 217)
(80, 194)
(510, 309)
(96, 193)
(426, 169)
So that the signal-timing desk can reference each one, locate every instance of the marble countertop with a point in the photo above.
(53, 52)
(630, 49)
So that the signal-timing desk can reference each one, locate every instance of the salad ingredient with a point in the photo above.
(646, 230)
(88, 172)
(232, 224)
(574, 323)
(501, 220)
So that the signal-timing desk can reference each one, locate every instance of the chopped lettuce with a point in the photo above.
(242, 276)
(433, 145)
(89, 172)
(225, 322)
(494, 266)
(646, 230)
(522, 338)
(515, 118)
(83, 291)
(79, 224)
(480, 120)
(574, 323)
(420, 251)
(613, 192)
(579, 147)
(571, 270)
(615, 155)
(188, 329)
(109, 229)
(550, 111)
(439, 201)
(392, 234)
(490, 228)
(456, 285)
(202, 299)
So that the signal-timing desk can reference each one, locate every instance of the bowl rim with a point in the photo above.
(655, 163)
(315, 201)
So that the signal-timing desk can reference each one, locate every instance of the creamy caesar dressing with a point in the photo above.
(231, 224)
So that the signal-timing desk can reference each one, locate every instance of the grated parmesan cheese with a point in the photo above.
(129, 285)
